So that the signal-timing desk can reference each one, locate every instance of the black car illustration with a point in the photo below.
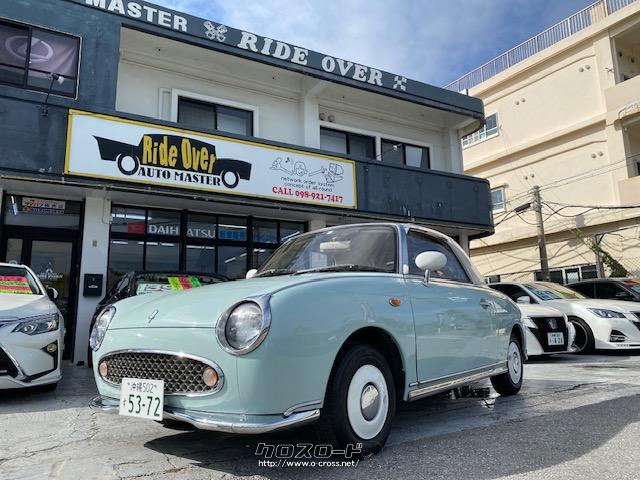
(128, 157)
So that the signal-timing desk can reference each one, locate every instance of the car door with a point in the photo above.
(453, 318)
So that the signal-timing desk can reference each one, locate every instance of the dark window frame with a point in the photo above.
(183, 240)
(25, 81)
(403, 146)
(348, 136)
(214, 107)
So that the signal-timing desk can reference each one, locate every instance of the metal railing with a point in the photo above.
(552, 35)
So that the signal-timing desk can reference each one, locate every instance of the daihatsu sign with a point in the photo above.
(101, 146)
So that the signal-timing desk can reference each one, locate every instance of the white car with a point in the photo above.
(548, 330)
(31, 330)
(599, 324)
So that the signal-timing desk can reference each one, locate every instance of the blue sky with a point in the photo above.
(433, 41)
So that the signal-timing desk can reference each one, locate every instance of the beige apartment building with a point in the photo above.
(563, 113)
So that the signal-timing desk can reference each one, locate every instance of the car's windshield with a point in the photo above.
(552, 291)
(167, 282)
(17, 280)
(357, 248)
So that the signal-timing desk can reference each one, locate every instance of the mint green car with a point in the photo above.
(339, 325)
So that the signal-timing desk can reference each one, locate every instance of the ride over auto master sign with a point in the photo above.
(101, 146)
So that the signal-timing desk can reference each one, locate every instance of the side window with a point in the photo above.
(586, 289)
(607, 290)
(418, 243)
(512, 291)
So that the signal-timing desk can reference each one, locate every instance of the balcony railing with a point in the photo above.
(564, 29)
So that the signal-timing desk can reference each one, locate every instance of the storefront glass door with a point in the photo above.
(52, 261)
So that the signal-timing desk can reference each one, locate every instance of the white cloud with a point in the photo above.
(428, 40)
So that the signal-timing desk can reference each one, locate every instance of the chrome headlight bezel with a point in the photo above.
(606, 313)
(222, 325)
(101, 326)
(38, 325)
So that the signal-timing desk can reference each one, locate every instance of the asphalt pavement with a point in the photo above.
(577, 417)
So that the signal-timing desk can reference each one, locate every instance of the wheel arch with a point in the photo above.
(518, 331)
(386, 344)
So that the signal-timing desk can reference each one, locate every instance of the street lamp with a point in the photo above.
(44, 111)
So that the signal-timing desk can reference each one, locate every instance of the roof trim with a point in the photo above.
(183, 27)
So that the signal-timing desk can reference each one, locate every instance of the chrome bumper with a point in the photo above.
(220, 422)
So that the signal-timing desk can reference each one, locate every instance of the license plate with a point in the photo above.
(555, 338)
(142, 398)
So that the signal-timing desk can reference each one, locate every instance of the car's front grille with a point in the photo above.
(181, 375)
(6, 365)
(547, 325)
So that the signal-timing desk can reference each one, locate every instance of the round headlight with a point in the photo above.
(100, 327)
(243, 328)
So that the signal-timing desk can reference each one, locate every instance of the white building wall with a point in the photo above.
(94, 254)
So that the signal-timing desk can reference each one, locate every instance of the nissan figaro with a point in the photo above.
(338, 326)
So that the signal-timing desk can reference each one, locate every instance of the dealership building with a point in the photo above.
(139, 138)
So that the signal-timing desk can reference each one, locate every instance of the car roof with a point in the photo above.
(16, 265)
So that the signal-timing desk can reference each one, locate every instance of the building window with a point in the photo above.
(490, 129)
(397, 153)
(570, 274)
(497, 200)
(198, 115)
(347, 143)
(172, 241)
(38, 59)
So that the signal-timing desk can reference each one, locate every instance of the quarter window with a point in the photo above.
(418, 243)
(209, 116)
(38, 59)
(397, 153)
(490, 129)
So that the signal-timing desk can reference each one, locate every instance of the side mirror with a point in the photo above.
(251, 273)
(523, 299)
(429, 261)
(52, 293)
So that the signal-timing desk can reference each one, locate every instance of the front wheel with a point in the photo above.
(584, 342)
(510, 382)
(361, 399)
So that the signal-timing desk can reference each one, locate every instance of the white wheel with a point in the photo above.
(514, 362)
(367, 402)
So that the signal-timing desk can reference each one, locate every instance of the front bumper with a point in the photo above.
(220, 422)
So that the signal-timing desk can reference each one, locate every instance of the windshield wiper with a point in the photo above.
(272, 272)
(342, 268)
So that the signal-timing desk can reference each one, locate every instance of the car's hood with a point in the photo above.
(18, 305)
(199, 307)
(569, 306)
(532, 310)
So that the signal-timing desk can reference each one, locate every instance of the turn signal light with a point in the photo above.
(209, 377)
(103, 368)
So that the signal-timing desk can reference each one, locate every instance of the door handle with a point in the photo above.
(485, 304)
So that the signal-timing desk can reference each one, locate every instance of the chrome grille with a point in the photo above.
(181, 375)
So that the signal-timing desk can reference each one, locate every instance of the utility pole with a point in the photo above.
(597, 239)
(542, 244)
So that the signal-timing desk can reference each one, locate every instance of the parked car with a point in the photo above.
(548, 330)
(141, 283)
(599, 324)
(31, 330)
(338, 325)
(627, 289)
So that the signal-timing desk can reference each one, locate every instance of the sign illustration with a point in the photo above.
(108, 147)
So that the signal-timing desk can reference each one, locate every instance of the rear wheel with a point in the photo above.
(584, 341)
(361, 399)
(510, 382)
